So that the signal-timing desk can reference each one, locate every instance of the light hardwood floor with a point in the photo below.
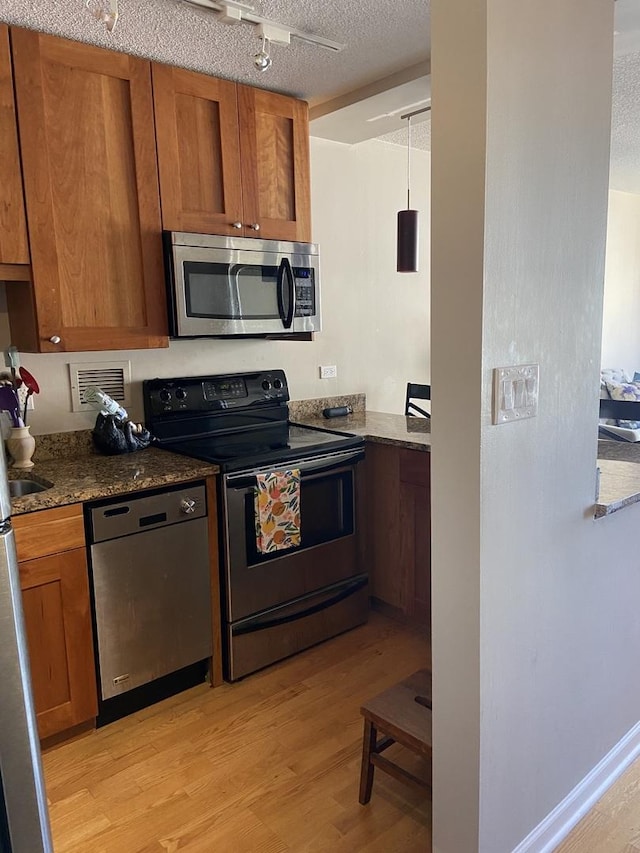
(266, 765)
(613, 824)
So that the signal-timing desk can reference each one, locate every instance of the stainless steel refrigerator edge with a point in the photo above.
(24, 819)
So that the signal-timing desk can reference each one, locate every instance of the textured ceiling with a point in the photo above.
(382, 37)
(420, 136)
(625, 124)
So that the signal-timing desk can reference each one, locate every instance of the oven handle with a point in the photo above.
(253, 625)
(285, 271)
(310, 466)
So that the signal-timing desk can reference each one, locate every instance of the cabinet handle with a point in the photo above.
(236, 224)
(254, 226)
(55, 339)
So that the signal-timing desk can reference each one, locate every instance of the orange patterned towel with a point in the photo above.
(277, 510)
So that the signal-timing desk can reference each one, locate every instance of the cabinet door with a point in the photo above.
(274, 144)
(399, 529)
(93, 208)
(415, 523)
(55, 599)
(13, 228)
(198, 156)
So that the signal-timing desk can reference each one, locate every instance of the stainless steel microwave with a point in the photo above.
(228, 286)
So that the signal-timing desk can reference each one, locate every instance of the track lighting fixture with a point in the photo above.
(105, 11)
(261, 59)
(232, 12)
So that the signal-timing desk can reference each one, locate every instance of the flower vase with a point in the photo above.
(21, 445)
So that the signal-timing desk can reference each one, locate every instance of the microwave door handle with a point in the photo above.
(285, 271)
(292, 293)
(280, 290)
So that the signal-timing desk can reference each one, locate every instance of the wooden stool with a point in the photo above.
(403, 714)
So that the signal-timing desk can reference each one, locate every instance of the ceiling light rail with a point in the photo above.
(231, 12)
(416, 113)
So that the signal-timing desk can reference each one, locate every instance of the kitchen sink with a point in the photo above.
(19, 488)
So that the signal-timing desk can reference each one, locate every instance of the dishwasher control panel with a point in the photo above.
(138, 513)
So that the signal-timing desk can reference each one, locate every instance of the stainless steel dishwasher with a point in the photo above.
(151, 590)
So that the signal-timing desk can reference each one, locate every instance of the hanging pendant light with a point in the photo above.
(407, 239)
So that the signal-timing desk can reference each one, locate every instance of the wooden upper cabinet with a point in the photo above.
(14, 247)
(231, 157)
(93, 209)
(274, 146)
(198, 152)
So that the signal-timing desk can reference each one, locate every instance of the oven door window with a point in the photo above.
(326, 513)
(224, 291)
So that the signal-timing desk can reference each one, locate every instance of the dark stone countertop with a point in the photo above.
(380, 427)
(91, 476)
(619, 461)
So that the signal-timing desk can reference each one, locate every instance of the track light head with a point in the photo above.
(261, 59)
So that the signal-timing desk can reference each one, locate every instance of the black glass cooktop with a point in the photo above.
(267, 445)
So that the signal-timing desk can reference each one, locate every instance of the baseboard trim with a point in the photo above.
(559, 823)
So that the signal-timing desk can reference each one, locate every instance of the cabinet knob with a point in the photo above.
(55, 339)
(236, 224)
(255, 226)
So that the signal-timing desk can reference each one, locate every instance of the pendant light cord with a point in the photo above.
(409, 163)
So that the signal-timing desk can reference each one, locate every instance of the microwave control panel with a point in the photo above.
(305, 292)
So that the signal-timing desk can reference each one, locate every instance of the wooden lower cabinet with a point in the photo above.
(398, 520)
(55, 599)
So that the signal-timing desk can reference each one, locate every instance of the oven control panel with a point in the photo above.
(201, 394)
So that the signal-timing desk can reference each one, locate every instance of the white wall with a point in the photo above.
(536, 635)
(375, 321)
(620, 328)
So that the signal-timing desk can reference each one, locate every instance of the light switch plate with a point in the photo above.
(515, 393)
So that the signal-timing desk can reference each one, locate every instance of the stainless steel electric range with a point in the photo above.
(278, 603)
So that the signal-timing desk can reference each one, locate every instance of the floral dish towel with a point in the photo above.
(277, 510)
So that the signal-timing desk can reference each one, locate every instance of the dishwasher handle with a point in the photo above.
(148, 512)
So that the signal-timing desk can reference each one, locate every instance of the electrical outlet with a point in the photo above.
(329, 372)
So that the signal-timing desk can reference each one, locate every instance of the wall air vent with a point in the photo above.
(114, 377)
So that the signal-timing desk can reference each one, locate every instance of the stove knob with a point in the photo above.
(266, 385)
(277, 383)
(187, 505)
(181, 394)
(165, 395)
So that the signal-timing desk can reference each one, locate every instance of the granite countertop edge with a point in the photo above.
(602, 510)
(75, 474)
(619, 464)
(378, 428)
(91, 477)
(87, 476)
